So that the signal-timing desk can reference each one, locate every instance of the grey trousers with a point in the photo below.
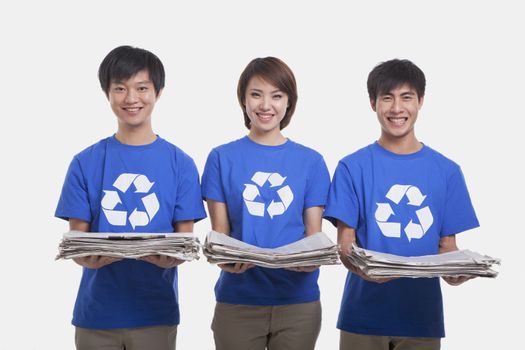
(354, 341)
(141, 338)
(283, 327)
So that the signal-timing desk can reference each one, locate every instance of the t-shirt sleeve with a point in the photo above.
(318, 184)
(211, 179)
(188, 204)
(342, 202)
(74, 198)
(459, 214)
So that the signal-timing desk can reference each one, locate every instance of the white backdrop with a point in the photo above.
(52, 107)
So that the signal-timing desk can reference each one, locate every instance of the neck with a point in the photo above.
(135, 137)
(406, 145)
(274, 138)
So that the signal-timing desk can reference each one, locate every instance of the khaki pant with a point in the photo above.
(354, 341)
(141, 338)
(283, 327)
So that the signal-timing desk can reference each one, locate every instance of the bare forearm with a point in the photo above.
(183, 226)
(79, 225)
(345, 239)
(447, 244)
(218, 216)
(312, 218)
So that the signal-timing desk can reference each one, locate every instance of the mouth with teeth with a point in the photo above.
(132, 110)
(264, 117)
(397, 121)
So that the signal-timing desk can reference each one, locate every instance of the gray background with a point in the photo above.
(52, 107)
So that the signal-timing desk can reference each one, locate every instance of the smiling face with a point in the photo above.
(397, 113)
(133, 101)
(266, 106)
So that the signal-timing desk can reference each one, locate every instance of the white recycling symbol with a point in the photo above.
(251, 192)
(137, 218)
(415, 198)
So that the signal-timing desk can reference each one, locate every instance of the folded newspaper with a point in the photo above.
(76, 244)
(316, 249)
(456, 263)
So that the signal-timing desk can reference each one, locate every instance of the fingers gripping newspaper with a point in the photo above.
(316, 249)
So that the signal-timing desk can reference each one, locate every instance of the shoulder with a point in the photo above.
(446, 164)
(305, 151)
(358, 158)
(180, 157)
(229, 147)
(93, 152)
(233, 149)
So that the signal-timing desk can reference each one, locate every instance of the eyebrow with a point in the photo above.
(259, 90)
(139, 82)
(405, 93)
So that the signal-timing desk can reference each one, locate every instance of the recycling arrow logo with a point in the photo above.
(415, 199)
(251, 194)
(137, 218)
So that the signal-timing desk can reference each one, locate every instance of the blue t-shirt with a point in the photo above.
(266, 190)
(122, 188)
(399, 204)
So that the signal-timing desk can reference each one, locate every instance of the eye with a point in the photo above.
(255, 95)
(407, 97)
(386, 98)
(143, 88)
(277, 96)
(118, 89)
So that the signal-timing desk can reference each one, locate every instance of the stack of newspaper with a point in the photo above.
(456, 263)
(313, 250)
(75, 244)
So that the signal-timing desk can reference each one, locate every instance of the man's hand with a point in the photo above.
(448, 244)
(456, 281)
(92, 261)
(95, 261)
(235, 267)
(355, 270)
(345, 238)
(163, 261)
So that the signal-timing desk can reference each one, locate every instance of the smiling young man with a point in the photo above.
(396, 196)
(133, 181)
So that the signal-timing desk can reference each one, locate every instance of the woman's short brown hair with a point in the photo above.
(275, 72)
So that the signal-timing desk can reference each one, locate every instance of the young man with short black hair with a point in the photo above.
(396, 196)
(133, 181)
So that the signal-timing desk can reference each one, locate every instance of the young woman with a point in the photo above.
(268, 191)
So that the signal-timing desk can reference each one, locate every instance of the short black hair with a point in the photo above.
(389, 75)
(125, 61)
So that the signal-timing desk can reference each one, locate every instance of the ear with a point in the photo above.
(160, 93)
(373, 105)
(420, 102)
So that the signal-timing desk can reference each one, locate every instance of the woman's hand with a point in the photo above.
(235, 267)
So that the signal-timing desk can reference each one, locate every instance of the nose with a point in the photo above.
(265, 103)
(397, 105)
(131, 96)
